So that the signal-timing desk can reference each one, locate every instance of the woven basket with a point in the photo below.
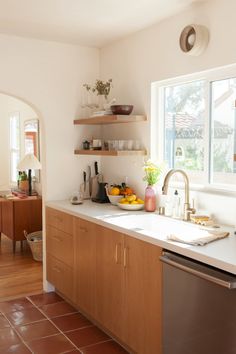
(35, 242)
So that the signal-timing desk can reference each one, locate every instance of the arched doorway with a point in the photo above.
(20, 127)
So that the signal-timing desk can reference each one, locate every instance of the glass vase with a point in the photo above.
(150, 202)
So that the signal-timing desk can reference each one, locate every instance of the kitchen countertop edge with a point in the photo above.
(210, 254)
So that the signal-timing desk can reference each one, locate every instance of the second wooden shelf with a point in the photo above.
(110, 152)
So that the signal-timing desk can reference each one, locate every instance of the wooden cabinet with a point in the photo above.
(128, 290)
(85, 265)
(1, 216)
(19, 215)
(142, 299)
(109, 280)
(60, 252)
(114, 278)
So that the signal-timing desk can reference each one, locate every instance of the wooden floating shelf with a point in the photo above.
(111, 152)
(111, 119)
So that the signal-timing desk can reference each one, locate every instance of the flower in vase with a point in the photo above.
(152, 172)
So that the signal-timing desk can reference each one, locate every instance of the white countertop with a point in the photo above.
(153, 228)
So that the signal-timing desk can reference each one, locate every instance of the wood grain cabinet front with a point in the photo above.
(18, 215)
(60, 220)
(61, 276)
(112, 277)
(85, 265)
(60, 252)
(128, 290)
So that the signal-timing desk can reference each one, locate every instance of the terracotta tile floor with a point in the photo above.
(46, 324)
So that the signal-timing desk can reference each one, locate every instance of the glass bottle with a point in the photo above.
(150, 198)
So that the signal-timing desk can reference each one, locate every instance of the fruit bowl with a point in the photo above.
(130, 206)
(114, 199)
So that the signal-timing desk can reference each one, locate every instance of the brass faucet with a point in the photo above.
(187, 209)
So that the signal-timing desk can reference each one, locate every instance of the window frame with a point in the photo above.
(157, 132)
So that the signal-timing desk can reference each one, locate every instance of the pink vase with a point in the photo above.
(150, 203)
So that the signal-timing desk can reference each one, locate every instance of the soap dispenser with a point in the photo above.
(176, 206)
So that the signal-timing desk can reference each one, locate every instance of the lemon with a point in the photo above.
(115, 191)
(131, 197)
(122, 200)
(140, 201)
(134, 202)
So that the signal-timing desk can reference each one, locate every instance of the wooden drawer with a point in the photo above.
(60, 245)
(59, 220)
(61, 276)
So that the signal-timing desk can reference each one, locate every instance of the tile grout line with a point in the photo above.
(22, 340)
(54, 323)
(64, 334)
(59, 330)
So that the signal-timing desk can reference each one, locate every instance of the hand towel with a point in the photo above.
(197, 237)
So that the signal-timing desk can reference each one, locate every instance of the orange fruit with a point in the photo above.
(115, 191)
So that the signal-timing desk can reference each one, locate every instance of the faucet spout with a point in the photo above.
(187, 209)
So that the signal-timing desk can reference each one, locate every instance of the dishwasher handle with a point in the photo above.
(214, 276)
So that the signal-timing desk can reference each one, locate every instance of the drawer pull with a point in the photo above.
(125, 257)
(57, 238)
(58, 218)
(83, 229)
(56, 269)
(116, 254)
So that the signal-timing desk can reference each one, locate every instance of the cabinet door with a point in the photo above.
(142, 309)
(61, 276)
(85, 264)
(109, 279)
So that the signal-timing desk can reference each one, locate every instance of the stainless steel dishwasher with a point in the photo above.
(199, 307)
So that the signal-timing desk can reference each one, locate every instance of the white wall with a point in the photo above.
(49, 76)
(153, 54)
(8, 106)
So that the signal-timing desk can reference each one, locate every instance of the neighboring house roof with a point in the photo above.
(189, 127)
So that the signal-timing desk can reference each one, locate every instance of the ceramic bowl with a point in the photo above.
(130, 206)
(114, 199)
(122, 109)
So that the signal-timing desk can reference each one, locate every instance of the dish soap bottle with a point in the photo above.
(176, 205)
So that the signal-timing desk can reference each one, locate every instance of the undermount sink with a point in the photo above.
(150, 222)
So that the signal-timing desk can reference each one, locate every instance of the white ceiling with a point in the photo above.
(86, 22)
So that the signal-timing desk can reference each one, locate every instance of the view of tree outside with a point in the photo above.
(184, 125)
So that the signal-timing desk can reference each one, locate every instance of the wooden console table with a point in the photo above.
(17, 215)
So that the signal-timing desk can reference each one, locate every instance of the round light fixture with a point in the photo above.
(194, 39)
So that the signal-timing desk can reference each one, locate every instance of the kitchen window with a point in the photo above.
(194, 126)
(14, 145)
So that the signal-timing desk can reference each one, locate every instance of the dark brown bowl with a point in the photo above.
(122, 108)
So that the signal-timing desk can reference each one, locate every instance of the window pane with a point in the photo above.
(184, 113)
(223, 132)
(14, 145)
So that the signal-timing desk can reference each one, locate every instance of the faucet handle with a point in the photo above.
(192, 210)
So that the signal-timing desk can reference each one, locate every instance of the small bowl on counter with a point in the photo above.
(122, 109)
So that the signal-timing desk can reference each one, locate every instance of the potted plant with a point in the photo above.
(23, 182)
(102, 90)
